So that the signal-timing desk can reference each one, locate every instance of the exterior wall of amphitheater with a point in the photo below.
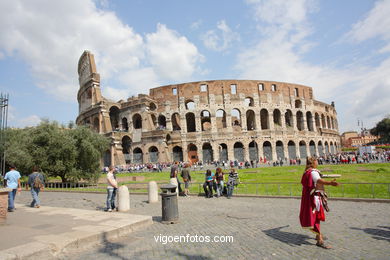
(219, 120)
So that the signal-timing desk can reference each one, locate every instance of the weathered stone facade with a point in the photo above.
(208, 120)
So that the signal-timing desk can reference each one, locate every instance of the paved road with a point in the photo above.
(261, 228)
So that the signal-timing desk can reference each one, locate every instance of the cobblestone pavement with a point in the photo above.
(262, 228)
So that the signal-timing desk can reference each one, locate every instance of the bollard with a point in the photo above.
(123, 199)
(173, 181)
(152, 192)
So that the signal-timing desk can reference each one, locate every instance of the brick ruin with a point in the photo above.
(204, 121)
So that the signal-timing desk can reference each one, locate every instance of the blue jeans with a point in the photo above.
(230, 189)
(220, 188)
(111, 195)
(34, 194)
(11, 199)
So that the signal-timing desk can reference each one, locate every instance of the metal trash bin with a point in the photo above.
(170, 211)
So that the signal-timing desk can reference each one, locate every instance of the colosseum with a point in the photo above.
(216, 120)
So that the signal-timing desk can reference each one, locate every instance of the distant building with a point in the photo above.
(354, 139)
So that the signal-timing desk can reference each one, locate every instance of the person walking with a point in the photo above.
(13, 182)
(313, 201)
(185, 174)
(36, 183)
(111, 189)
(233, 180)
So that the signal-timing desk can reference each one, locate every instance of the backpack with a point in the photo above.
(37, 182)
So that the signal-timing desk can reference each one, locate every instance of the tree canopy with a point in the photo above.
(71, 154)
(382, 129)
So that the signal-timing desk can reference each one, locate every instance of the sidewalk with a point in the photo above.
(48, 231)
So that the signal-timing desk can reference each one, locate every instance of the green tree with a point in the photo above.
(382, 129)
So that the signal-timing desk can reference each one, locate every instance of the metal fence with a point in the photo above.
(288, 189)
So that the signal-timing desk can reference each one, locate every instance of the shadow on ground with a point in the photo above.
(292, 239)
(380, 233)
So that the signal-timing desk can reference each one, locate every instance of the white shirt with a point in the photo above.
(110, 177)
(315, 175)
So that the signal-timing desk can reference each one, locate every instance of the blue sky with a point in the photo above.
(340, 48)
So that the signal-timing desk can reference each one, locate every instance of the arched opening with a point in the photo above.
(125, 124)
(328, 122)
(96, 125)
(168, 138)
(205, 120)
(236, 117)
(162, 122)
(177, 154)
(190, 119)
(223, 153)
(152, 106)
(288, 117)
(220, 116)
(249, 102)
(312, 148)
(318, 123)
(302, 149)
(239, 152)
(114, 118)
(253, 151)
(300, 123)
(192, 153)
(298, 104)
(292, 152)
(332, 149)
(176, 122)
(153, 154)
(277, 118)
(107, 158)
(326, 148)
(190, 105)
(332, 121)
(207, 151)
(138, 156)
(267, 150)
(323, 123)
(264, 119)
(126, 148)
(250, 120)
(137, 121)
(309, 119)
(279, 150)
(320, 149)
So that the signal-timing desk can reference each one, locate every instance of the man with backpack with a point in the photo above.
(36, 182)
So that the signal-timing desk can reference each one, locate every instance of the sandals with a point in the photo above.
(322, 245)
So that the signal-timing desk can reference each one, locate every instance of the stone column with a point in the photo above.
(258, 121)
(152, 192)
(274, 154)
(283, 120)
(230, 148)
(271, 121)
(198, 122)
(243, 121)
(123, 199)
(3, 204)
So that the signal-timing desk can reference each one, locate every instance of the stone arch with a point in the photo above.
(298, 103)
(177, 154)
(152, 106)
(114, 117)
(302, 149)
(162, 121)
(318, 123)
(253, 151)
(239, 152)
(126, 146)
(288, 117)
(279, 150)
(207, 151)
(205, 120)
(326, 148)
(193, 153)
(323, 123)
(138, 155)
(328, 122)
(236, 117)
(107, 158)
(309, 120)
(153, 154)
(264, 119)
(320, 149)
(191, 125)
(96, 125)
(220, 116)
(137, 121)
(332, 149)
(312, 148)
(249, 102)
(267, 150)
(125, 124)
(300, 123)
(175, 122)
(292, 152)
(190, 104)
(223, 152)
(277, 117)
(250, 120)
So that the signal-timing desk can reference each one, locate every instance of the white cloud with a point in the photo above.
(172, 56)
(220, 40)
(195, 25)
(32, 120)
(50, 36)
